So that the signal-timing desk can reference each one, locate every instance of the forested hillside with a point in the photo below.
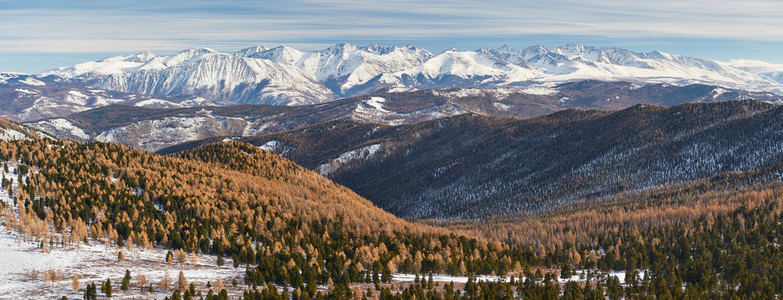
(711, 239)
(705, 238)
(473, 165)
(233, 200)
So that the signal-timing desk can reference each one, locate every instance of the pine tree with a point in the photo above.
(108, 289)
(126, 280)
(91, 292)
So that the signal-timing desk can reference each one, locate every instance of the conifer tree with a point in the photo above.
(91, 292)
(182, 283)
(107, 288)
(126, 281)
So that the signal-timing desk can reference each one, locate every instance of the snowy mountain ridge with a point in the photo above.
(287, 76)
(153, 129)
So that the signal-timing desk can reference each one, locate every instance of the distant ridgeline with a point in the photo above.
(478, 166)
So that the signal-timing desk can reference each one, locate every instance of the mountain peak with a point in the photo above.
(280, 54)
(249, 51)
(572, 48)
(340, 48)
(346, 69)
(658, 54)
(536, 49)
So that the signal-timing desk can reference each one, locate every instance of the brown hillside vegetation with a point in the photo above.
(581, 225)
(230, 199)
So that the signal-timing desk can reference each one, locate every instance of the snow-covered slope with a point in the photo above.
(573, 62)
(772, 72)
(205, 73)
(28, 97)
(287, 76)
(343, 67)
(454, 69)
(12, 131)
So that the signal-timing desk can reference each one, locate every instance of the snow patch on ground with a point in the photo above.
(361, 153)
(26, 91)
(400, 277)
(402, 89)
(11, 135)
(377, 103)
(93, 262)
(461, 93)
(501, 106)
(717, 92)
(157, 103)
(77, 98)
(540, 90)
(269, 146)
(62, 126)
(32, 81)
(152, 135)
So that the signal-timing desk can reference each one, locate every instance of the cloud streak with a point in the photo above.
(125, 26)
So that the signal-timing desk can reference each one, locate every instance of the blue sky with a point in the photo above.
(39, 35)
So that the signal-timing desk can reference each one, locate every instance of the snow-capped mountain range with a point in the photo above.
(29, 97)
(153, 129)
(287, 76)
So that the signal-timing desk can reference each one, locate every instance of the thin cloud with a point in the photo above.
(122, 26)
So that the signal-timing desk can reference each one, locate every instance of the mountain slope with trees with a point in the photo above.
(153, 129)
(230, 199)
(472, 165)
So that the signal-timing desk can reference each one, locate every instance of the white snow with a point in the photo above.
(76, 97)
(11, 135)
(99, 101)
(32, 81)
(26, 91)
(63, 126)
(501, 106)
(157, 103)
(581, 277)
(401, 89)
(286, 76)
(361, 153)
(540, 90)
(376, 103)
(717, 92)
(269, 146)
(93, 262)
(402, 277)
(4, 76)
